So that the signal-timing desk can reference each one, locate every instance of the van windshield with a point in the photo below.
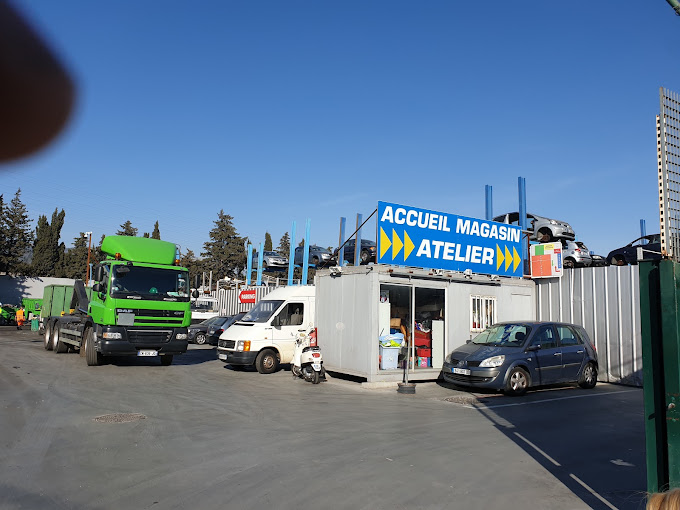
(262, 311)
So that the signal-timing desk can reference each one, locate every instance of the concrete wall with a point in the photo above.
(14, 289)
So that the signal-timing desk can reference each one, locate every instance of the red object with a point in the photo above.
(246, 296)
(422, 339)
(316, 355)
(424, 353)
(312, 339)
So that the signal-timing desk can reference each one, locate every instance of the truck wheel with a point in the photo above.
(267, 362)
(92, 357)
(59, 346)
(166, 360)
(48, 337)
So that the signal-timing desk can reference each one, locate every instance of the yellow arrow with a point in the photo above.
(408, 245)
(384, 243)
(508, 258)
(517, 259)
(397, 245)
(499, 257)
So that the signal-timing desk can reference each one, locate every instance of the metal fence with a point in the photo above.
(228, 302)
(606, 302)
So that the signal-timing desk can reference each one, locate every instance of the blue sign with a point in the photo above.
(408, 236)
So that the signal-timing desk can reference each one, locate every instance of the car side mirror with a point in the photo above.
(533, 348)
(276, 321)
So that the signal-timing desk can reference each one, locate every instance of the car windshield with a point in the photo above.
(151, 283)
(506, 335)
(262, 311)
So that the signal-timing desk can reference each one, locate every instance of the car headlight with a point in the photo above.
(494, 361)
(553, 222)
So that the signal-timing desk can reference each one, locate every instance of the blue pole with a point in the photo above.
(643, 231)
(341, 254)
(249, 262)
(357, 242)
(489, 202)
(291, 256)
(305, 256)
(260, 259)
(521, 184)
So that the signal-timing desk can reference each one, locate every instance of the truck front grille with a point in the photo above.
(228, 344)
(147, 337)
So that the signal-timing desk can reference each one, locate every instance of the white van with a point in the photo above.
(265, 336)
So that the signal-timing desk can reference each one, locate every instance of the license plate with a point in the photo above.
(461, 371)
(147, 352)
(223, 357)
(316, 366)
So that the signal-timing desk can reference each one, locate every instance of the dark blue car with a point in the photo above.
(651, 249)
(514, 356)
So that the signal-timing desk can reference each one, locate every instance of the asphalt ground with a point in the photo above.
(136, 435)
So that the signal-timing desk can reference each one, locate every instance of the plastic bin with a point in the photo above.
(388, 357)
(35, 324)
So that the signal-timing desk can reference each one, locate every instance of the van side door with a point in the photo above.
(285, 326)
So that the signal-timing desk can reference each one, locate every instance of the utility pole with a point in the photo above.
(89, 246)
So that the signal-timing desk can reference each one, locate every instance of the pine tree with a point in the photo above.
(284, 244)
(18, 237)
(268, 246)
(225, 253)
(126, 229)
(156, 234)
(47, 252)
(75, 260)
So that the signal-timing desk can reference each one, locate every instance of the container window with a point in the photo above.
(482, 312)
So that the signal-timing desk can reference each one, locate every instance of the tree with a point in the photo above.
(225, 253)
(268, 246)
(284, 244)
(17, 236)
(126, 229)
(48, 253)
(156, 234)
(75, 260)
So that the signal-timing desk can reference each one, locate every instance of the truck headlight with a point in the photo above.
(110, 335)
(494, 361)
(181, 336)
(243, 345)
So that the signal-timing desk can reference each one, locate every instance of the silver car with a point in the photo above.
(575, 254)
(271, 259)
(542, 229)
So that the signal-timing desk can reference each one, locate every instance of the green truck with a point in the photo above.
(138, 305)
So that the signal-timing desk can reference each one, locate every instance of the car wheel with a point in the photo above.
(518, 382)
(364, 256)
(48, 337)
(569, 263)
(618, 260)
(264, 265)
(315, 260)
(92, 357)
(588, 378)
(166, 360)
(544, 235)
(267, 362)
(199, 338)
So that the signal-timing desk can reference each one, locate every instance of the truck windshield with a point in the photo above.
(150, 283)
(262, 311)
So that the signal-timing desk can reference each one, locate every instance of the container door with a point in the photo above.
(428, 328)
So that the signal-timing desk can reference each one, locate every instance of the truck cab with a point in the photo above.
(265, 336)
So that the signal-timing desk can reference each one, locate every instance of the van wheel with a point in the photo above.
(92, 357)
(48, 337)
(58, 346)
(518, 382)
(267, 362)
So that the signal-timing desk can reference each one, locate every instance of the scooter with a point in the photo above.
(307, 360)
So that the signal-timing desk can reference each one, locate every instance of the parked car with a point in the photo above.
(271, 260)
(598, 260)
(197, 332)
(651, 249)
(575, 254)
(514, 356)
(318, 256)
(366, 255)
(542, 229)
(220, 325)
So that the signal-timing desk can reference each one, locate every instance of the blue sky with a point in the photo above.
(279, 111)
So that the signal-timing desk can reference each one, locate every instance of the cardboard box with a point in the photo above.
(423, 362)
